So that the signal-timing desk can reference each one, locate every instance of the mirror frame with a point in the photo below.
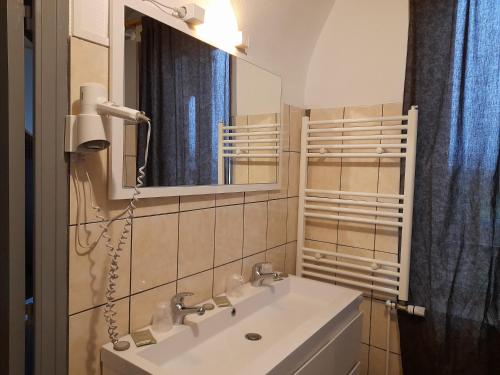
(116, 129)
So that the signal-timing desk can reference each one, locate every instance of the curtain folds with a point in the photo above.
(184, 89)
(453, 75)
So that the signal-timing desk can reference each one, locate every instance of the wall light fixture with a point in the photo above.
(191, 13)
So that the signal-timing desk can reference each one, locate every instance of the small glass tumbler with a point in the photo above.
(162, 318)
(234, 283)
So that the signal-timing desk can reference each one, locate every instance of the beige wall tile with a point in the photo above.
(256, 196)
(291, 226)
(327, 114)
(255, 228)
(321, 245)
(392, 109)
(277, 222)
(291, 257)
(387, 237)
(321, 230)
(228, 234)
(196, 202)
(196, 241)
(293, 174)
(143, 305)
(249, 262)
(356, 234)
(154, 256)
(229, 198)
(199, 284)
(88, 268)
(377, 363)
(87, 333)
(96, 165)
(156, 206)
(378, 329)
(276, 257)
(324, 173)
(222, 272)
(296, 115)
(88, 63)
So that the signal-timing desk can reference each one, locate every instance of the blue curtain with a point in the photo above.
(184, 87)
(453, 75)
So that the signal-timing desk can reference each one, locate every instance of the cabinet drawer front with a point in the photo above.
(340, 355)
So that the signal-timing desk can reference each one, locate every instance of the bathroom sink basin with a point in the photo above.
(295, 318)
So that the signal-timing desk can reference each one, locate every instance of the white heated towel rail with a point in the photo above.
(329, 139)
(260, 141)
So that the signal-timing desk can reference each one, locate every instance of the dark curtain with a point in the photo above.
(453, 75)
(184, 89)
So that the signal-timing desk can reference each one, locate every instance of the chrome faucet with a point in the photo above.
(258, 275)
(179, 311)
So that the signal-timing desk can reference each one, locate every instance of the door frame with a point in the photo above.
(12, 250)
(51, 180)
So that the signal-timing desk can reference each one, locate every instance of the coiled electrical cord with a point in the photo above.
(113, 252)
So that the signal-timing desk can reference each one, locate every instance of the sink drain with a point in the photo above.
(253, 336)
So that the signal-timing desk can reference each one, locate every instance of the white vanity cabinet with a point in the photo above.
(340, 356)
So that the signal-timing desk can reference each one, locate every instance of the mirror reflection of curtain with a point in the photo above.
(185, 89)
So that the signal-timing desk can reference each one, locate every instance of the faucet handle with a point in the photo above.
(179, 297)
(262, 267)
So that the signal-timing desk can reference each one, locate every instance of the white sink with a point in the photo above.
(296, 318)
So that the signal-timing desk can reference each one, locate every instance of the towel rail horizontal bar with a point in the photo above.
(376, 137)
(354, 193)
(231, 141)
(359, 120)
(355, 203)
(351, 265)
(360, 276)
(355, 155)
(229, 148)
(354, 219)
(394, 292)
(367, 145)
(260, 126)
(356, 129)
(354, 211)
(235, 156)
(353, 257)
(250, 134)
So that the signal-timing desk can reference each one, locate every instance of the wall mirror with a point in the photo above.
(215, 116)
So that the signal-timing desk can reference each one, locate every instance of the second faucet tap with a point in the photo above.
(179, 311)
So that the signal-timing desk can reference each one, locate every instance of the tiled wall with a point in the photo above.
(363, 175)
(176, 244)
